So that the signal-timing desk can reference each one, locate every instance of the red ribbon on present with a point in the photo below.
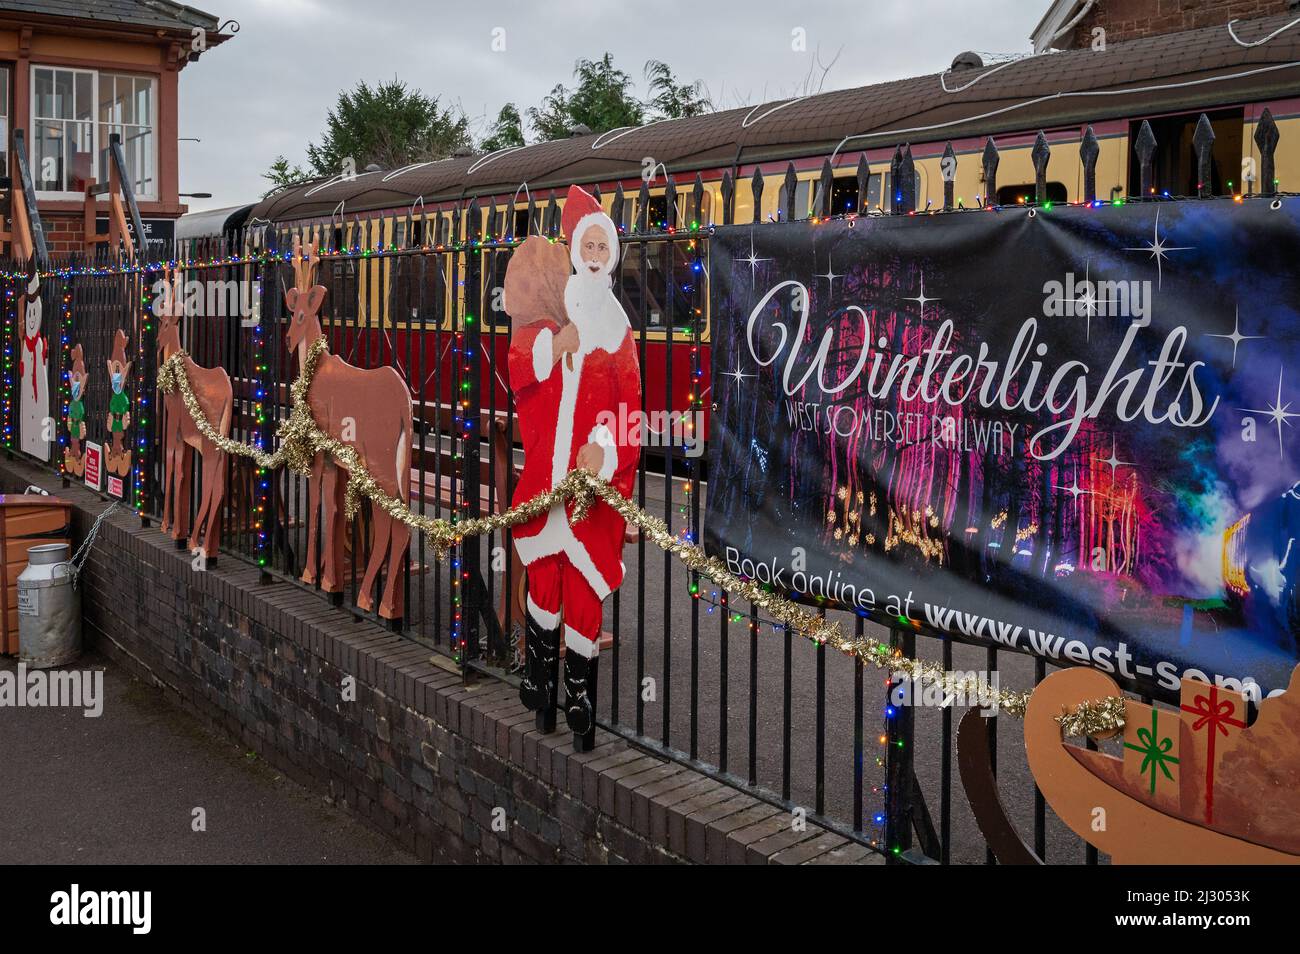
(1213, 712)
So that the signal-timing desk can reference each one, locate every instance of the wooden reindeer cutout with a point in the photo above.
(74, 461)
(212, 388)
(370, 409)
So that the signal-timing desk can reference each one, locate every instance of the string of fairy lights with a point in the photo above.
(66, 318)
(261, 475)
(141, 395)
(463, 357)
(11, 339)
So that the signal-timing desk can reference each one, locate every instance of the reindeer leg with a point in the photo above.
(214, 476)
(378, 553)
(313, 508)
(183, 468)
(392, 605)
(201, 516)
(335, 527)
(212, 534)
(168, 465)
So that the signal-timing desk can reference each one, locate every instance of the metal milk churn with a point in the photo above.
(49, 608)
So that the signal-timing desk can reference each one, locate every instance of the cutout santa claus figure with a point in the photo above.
(34, 423)
(574, 372)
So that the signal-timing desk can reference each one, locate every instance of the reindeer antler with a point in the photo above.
(304, 265)
(173, 305)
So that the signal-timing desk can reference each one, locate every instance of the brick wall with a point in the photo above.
(64, 233)
(1130, 19)
(418, 754)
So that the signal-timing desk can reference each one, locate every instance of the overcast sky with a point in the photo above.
(267, 90)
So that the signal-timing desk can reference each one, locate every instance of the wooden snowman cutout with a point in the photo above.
(35, 427)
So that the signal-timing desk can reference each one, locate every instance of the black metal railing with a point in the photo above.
(734, 696)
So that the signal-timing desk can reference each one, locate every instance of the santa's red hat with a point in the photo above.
(577, 206)
(581, 212)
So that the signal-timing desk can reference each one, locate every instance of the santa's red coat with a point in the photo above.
(560, 410)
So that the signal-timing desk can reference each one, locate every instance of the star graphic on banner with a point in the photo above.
(1113, 461)
(753, 260)
(737, 375)
(1074, 490)
(921, 299)
(1278, 414)
(829, 275)
(1088, 303)
(1158, 250)
(1236, 337)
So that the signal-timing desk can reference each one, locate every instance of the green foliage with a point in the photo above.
(388, 124)
(670, 99)
(282, 175)
(392, 125)
(507, 131)
(603, 99)
(552, 119)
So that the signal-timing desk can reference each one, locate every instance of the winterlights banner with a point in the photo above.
(1068, 431)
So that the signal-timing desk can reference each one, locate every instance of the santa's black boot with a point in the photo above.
(538, 689)
(580, 699)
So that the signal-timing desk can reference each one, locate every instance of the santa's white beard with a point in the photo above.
(591, 306)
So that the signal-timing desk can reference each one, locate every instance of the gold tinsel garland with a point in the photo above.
(301, 440)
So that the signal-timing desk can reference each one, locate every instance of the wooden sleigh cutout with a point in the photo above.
(1195, 786)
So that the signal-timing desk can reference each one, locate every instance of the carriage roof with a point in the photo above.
(1194, 69)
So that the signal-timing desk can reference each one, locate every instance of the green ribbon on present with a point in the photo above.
(1155, 755)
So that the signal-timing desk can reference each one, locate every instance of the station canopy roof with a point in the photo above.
(1195, 69)
(160, 14)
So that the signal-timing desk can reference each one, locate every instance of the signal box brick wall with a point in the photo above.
(1131, 19)
(418, 755)
(64, 234)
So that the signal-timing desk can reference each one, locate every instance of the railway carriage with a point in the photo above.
(675, 178)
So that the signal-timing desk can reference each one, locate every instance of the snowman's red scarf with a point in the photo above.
(30, 345)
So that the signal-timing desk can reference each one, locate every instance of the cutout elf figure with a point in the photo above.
(73, 455)
(118, 456)
(573, 367)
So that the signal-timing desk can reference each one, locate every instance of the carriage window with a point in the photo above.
(1173, 167)
(888, 190)
(802, 197)
(686, 208)
(663, 290)
(1021, 194)
(844, 194)
(521, 229)
(656, 213)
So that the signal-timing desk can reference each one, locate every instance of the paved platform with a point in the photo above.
(122, 788)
